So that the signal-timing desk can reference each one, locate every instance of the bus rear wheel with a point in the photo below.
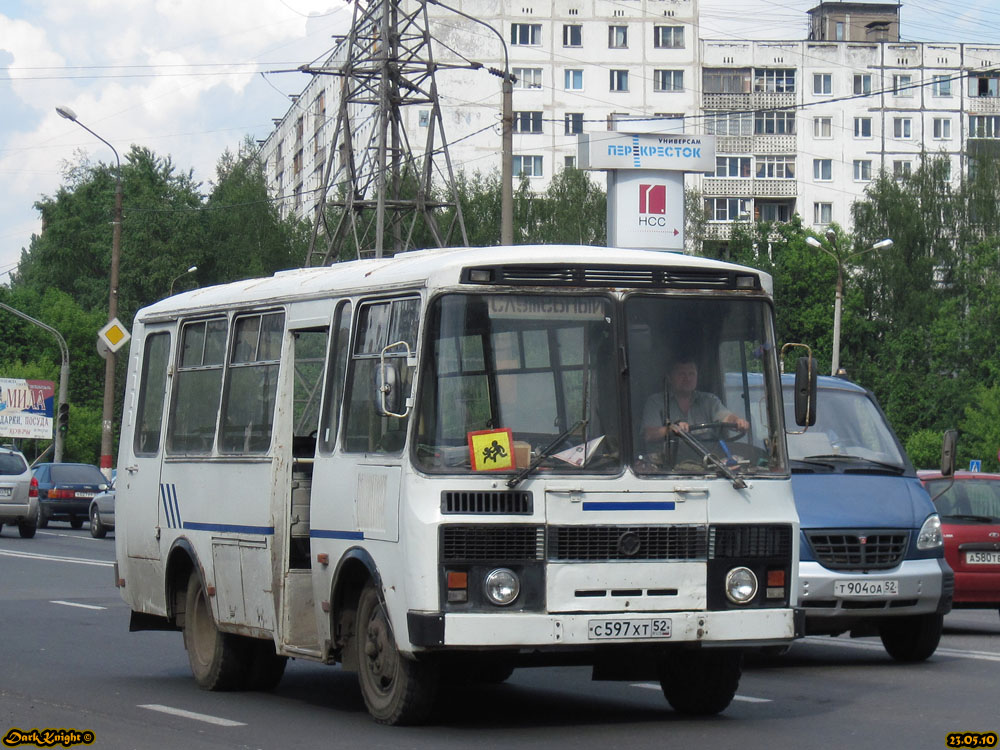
(703, 682)
(397, 690)
(218, 660)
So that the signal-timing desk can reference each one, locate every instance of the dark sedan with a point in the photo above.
(64, 491)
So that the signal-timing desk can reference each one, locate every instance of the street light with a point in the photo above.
(108, 412)
(192, 269)
(507, 129)
(831, 237)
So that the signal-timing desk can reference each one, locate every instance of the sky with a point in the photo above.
(189, 79)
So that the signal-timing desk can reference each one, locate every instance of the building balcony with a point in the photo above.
(730, 187)
(734, 144)
(983, 105)
(774, 144)
(755, 100)
(775, 188)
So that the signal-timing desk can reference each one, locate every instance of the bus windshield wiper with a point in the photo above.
(547, 451)
(711, 459)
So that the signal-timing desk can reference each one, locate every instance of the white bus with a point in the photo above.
(439, 466)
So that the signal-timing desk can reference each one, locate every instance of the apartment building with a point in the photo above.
(803, 126)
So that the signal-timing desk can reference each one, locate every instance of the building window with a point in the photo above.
(775, 80)
(617, 37)
(774, 123)
(572, 35)
(901, 168)
(526, 34)
(862, 83)
(424, 118)
(774, 211)
(839, 31)
(776, 167)
(668, 80)
(527, 78)
(862, 127)
(668, 37)
(729, 123)
(732, 166)
(902, 127)
(823, 170)
(942, 128)
(619, 80)
(569, 162)
(984, 126)
(527, 166)
(727, 209)
(822, 213)
(862, 170)
(574, 123)
(987, 85)
(822, 83)
(902, 85)
(725, 81)
(528, 122)
(823, 127)
(941, 86)
(573, 80)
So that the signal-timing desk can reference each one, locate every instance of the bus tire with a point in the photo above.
(702, 682)
(913, 638)
(266, 667)
(397, 690)
(218, 660)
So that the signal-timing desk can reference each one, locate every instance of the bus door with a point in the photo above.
(138, 484)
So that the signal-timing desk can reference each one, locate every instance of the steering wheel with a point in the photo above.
(725, 430)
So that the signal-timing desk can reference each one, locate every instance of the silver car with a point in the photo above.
(102, 513)
(15, 504)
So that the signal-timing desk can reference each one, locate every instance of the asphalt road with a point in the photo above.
(67, 661)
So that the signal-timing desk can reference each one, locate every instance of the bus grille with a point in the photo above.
(492, 543)
(745, 541)
(858, 549)
(497, 501)
(599, 543)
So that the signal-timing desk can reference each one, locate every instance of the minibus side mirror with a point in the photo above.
(948, 452)
(805, 392)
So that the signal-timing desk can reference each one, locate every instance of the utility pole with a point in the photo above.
(375, 186)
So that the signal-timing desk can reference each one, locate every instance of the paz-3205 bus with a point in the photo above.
(440, 465)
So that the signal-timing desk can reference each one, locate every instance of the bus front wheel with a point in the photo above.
(216, 658)
(397, 690)
(702, 682)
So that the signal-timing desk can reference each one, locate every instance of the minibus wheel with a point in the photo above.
(913, 638)
(701, 682)
(217, 659)
(396, 689)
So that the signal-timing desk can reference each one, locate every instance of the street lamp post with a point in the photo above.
(831, 237)
(108, 411)
(192, 269)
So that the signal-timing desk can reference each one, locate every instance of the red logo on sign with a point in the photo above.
(652, 199)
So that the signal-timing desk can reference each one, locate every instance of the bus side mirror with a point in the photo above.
(805, 392)
(948, 452)
(388, 386)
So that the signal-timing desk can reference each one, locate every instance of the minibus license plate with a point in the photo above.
(973, 557)
(613, 630)
(6, 491)
(860, 589)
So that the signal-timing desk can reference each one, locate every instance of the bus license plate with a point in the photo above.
(613, 630)
(973, 557)
(862, 589)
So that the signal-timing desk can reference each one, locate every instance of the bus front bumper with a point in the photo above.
(752, 627)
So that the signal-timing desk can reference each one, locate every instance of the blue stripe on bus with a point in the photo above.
(629, 506)
(333, 534)
(228, 528)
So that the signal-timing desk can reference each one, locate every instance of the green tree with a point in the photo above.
(980, 428)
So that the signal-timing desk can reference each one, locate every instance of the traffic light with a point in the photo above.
(62, 422)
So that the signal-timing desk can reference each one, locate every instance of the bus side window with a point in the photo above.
(336, 372)
(310, 355)
(152, 394)
(194, 408)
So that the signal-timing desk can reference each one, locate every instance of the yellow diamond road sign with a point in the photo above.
(114, 335)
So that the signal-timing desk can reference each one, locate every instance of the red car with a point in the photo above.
(970, 522)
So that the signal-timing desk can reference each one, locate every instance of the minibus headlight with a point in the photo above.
(502, 586)
(741, 585)
(930, 533)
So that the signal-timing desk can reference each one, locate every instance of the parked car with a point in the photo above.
(16, 505)
(970, 521)
(871, 558)
(64, 491)
(102, 512)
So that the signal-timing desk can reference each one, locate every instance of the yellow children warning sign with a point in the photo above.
(491, 450)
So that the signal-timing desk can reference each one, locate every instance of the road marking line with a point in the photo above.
(74, 604)
(192, 715)
(744, 698)
(55, 558)
(957, 653)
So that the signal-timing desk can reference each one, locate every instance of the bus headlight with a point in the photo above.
(741, 585)
(502, 586)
